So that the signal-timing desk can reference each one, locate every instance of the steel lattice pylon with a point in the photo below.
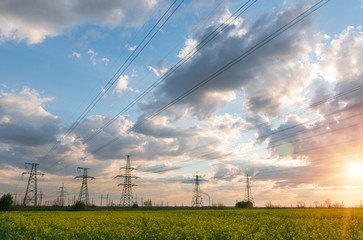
(197, 200)
(62, 194)
(127, 199)
(83, 193)
(31, 193)
(248, 193)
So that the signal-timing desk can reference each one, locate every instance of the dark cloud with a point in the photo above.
(151, 142)
(157, 128)
(23, 120)
(271, 74)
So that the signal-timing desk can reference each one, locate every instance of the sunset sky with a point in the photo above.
(184, 87)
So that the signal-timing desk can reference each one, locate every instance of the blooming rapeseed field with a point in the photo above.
(185, 224)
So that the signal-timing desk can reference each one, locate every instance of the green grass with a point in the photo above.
(185, 224)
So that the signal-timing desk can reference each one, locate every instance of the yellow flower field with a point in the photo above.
(185, 224)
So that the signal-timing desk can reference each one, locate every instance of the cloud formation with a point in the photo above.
(331, 139)
(93, 58)
(76, 54)
(24, 121)
(35, 21)
(273, 74)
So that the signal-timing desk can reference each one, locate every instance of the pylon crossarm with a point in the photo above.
(126, 175)
(127, 184)
(128, 168)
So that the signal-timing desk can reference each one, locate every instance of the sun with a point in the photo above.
(356, 169)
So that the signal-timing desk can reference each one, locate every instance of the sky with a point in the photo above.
(219, 88)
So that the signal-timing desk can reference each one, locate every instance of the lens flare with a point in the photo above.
(286, 149)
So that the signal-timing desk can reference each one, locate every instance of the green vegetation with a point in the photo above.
(246, 204)
(79, 206)
(185, 224)
(5, 202)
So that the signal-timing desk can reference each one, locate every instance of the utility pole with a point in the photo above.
(197, 200)
(101, 199)
(31, 193)
(208, 198)
(126, 196)
(15, 202)
(83, 193)
(62, 194)
(41, 195)
(248, 193)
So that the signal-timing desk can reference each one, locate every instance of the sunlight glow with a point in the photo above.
(356, 169)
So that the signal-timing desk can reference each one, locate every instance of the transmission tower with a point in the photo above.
(62, 194)
(126, 197)
(83, 193)
(31, 193)
(248, 193)
(197, 200)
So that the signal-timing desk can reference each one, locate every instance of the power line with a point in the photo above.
(300, 139)
(206, 40)
(341, 120)
(110, 83)
(227, 66)
(196, 49)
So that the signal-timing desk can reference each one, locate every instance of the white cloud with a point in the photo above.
(340, 58)
(35, 21)
(328, 145)
(106, 60)
(93, 58)
(121, 85)
(130, 48)
(76, 54)
(159, 67)
(190, 44)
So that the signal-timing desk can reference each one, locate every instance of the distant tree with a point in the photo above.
(78, 206)
(338, 204)
(148, 204)
(316, 204)
(244, 204)
(300, 204)
(328, 203)
(5, 202)
(218, 205)
(135, 205)
(269, 204)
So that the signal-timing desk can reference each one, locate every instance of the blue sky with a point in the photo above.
(256, 117)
